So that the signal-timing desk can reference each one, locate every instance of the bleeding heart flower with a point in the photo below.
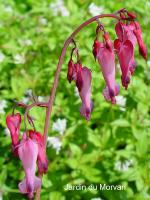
(138, 33)
(13, 124)
(78, 76)
(82, 77)
(106, 59)
(125, 54)
(85, 93)
(41, 159)
(125, 32)
(28, 152)
(70, 70)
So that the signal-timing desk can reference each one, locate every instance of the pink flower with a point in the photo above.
(41, 159)
(70, 70)
(13, 124)
(28, 151)
(106, 59)
(82, 77)
(125, 54)
(133, 33)
(125, 45)
(85, 93)
(138, 33)
(78, 76)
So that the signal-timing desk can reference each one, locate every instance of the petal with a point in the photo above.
(85, 93)
(131, 15)
(23, 185)
(117, 44)
(79, 81)
(42, 163)
(106, 59)
(119, 30)
(142, 47)
(126, 56)
(28, 151)
(129, 34)
(110, 96)
(107, 41)
(96, 46)
(13, 123)
(86, 112)
(125, 32)
(41, 159)
(70, 70)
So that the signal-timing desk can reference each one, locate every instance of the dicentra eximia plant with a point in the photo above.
(31, 150)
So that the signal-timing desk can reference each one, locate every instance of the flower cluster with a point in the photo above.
(30, 150)
(129, 34)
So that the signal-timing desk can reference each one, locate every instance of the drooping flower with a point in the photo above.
(85, 93)
(13, 124)
(133, 33)
(42, 161)
(125, 32)
(28, 152)
(82, 77)
(125, 54)
(77, 76)
(71, 69)
(106, 58)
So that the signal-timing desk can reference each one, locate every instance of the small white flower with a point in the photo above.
(43, 21)
(19, 59)
(41, 98)
(8, 9)
(97, 198)
(6, 132)
(55, 142)
(59, 125)
(123, 165)
(25, 42)
(2, 57)
(121, 101)
(3, 105)
(148, 63)
(95, 10)
(25, 100)
(59, 8)
(28, 92)
(64, 12)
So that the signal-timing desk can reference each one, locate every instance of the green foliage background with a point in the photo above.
(89, 149)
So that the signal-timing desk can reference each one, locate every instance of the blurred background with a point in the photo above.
(111, 148)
